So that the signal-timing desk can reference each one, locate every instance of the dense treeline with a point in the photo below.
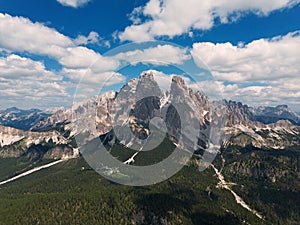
(268, 179)
(72, 193)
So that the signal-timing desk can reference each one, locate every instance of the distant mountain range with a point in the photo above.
(264, 127)
(35, 119)
(22, 119)
(273, 114)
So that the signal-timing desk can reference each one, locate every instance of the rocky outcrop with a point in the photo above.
(16, 143)
(128, 115)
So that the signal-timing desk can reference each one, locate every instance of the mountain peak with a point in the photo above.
(270, 114)
(12, 109)
(282, 106)
(148, 75)
(179, 80)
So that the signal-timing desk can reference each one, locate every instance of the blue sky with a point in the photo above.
(251, 47)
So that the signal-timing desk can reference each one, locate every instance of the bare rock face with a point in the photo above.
(16, 143)
(92, 113)
(243, 130)
(129, 113)
(238, 113)
(141, 101)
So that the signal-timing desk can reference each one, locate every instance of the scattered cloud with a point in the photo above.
(15, 67)
(91, 77)
(134, 16)
(73, 3)
(82, 57)
(158, 55)
(263, 72)
(171, 18)
(21, 35)
(92, 38)
(24, 82)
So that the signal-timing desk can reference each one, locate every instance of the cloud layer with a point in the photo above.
(175, 17)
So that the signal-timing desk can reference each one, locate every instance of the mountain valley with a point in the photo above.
(258, 155)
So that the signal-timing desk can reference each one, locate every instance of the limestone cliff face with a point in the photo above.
(16, 143)
(135, 106)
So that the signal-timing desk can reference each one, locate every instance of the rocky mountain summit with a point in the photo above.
(268, 115)
(127, 117)
(35, 145)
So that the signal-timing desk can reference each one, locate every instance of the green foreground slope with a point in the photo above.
(72, 193)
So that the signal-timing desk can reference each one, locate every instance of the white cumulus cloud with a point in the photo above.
(92, 38)
(27, 83)
(260, 60)
(162, 54)
(19, 34)
(73, 3)
(175, 17)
